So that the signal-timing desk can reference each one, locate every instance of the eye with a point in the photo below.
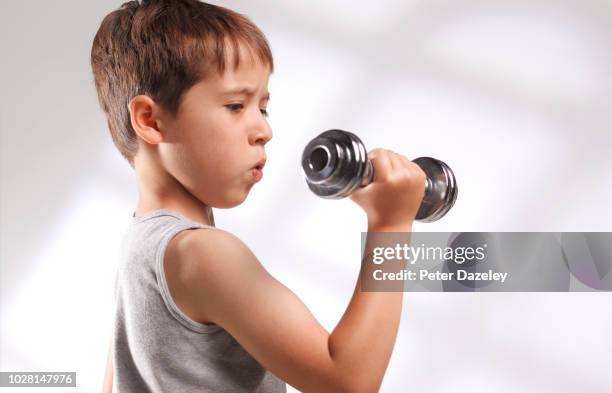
(237, 107)
(234, 107)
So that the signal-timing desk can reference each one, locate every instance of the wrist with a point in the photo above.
(388, 226)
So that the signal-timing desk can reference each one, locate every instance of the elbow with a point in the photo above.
(354, 384)
(363, 388)
(344, 384)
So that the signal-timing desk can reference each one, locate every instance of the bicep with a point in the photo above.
(234, 290)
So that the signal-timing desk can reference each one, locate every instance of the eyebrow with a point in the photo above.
(244, 90)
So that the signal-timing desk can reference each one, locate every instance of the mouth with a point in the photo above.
(257, 170)
(260, 164)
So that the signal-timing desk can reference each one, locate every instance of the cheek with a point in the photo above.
(216, 164)
(215, 150)
(229, 150)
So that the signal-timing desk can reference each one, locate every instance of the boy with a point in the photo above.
(184, 87)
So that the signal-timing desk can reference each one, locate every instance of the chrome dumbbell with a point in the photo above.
(335, 164)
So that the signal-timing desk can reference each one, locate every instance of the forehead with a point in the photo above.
(245, 72)
(254, 75)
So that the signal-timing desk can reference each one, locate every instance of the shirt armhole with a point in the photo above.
(162, 284)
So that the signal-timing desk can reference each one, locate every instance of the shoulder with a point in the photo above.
(192, 248)
(204, 266)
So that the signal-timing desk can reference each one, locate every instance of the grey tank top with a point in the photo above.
(158, 348)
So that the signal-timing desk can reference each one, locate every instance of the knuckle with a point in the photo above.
(416, 169)
(417, 179)
(375, 151)
(413, 166)
(415, 175)
(421, 174)
(403, 157)
(396, 177)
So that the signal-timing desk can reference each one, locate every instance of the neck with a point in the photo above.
(158, 189)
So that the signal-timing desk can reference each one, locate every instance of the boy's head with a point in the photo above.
(184, 88)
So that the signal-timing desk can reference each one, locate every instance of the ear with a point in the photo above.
(144, 116)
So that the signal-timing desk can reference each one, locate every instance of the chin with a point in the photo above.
(232, 200)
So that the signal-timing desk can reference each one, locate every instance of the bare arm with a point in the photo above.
(362, 342)
(227, 285)
(108, 377)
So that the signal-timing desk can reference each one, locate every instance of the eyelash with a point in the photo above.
(237, 107)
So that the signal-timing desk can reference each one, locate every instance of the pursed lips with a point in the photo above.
(260, 164)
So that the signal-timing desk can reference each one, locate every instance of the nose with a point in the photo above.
(261, 132)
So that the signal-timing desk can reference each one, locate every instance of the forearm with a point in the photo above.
(362, 342)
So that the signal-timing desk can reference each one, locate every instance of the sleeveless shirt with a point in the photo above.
(158, 348)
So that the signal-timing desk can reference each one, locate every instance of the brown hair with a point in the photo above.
(161, 48)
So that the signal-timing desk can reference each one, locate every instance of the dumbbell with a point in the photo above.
(335, 164)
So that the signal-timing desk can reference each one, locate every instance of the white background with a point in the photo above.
(514, 95)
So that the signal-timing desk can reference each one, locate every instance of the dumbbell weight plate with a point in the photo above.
(440, 189)
(334, 164)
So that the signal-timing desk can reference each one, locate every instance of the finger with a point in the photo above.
(375, 152)
(405, 160)
(410, 165)
(396, 163)
(407, 164)
(381, 164)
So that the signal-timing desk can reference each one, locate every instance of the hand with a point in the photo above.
(394, 196)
